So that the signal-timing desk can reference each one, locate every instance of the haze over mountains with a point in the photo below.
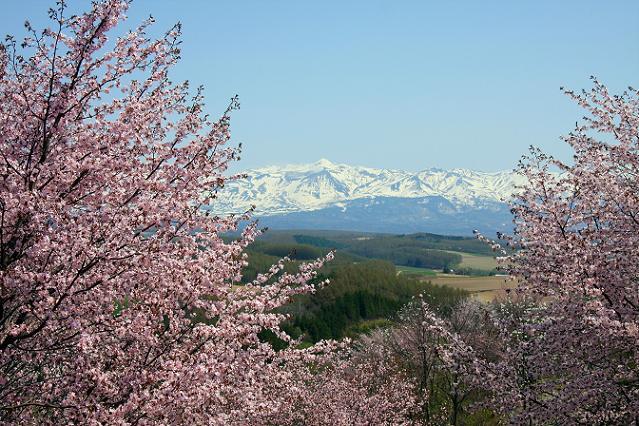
(325, 195)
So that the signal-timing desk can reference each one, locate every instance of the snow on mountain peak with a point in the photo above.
(323, 162)
(305, 187)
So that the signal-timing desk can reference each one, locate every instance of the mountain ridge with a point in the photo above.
(277, 190)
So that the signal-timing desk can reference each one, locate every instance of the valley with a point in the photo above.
(373, 275)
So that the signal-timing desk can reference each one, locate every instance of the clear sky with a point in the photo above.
(394, 84)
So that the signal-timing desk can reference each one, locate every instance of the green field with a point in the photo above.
(476, 261)
(409, 270)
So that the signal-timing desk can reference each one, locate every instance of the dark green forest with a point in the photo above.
(360, 293)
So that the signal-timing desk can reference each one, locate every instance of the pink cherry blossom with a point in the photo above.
(117, 297)
(571, 335)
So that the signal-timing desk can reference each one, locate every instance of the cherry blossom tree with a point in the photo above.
(365, 385)
(441, 355)
(574, 334)
(117, 297)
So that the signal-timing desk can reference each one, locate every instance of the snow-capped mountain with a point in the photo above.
(325, 195)
(306, 187)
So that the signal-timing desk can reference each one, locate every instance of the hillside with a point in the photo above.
(373, 275)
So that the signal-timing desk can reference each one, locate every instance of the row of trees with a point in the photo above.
(113, 310)
(416, 257)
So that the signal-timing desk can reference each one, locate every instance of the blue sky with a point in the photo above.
(395, 84)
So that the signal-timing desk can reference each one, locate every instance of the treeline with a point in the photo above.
(408, 255)
(440, 242)
(353, 240)
(318, 241)
(475, 272)
(397, 250)
(421, 250)
(261, 256)
(294, 251)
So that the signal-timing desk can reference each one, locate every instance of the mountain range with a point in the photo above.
(325, 195)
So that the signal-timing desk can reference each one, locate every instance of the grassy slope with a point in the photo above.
(476, 261)
(409, 270)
